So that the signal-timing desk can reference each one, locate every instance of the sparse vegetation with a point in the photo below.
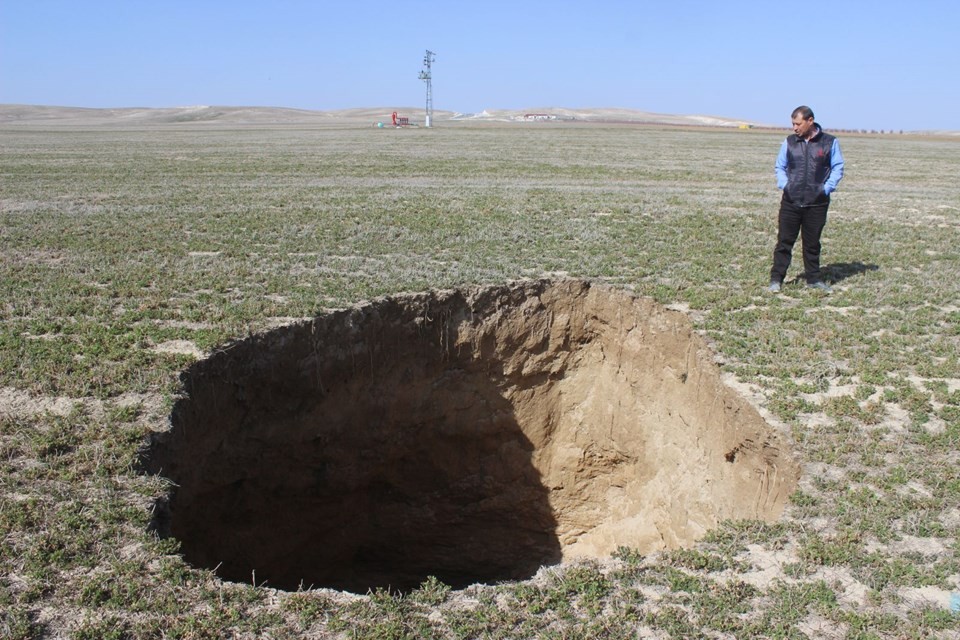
(126, 251)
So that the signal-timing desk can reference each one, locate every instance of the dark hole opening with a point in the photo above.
(471, 435)
(354, 456)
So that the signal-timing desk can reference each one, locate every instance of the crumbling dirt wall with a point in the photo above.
(473, 434)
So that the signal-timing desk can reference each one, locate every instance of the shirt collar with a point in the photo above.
(816, 131)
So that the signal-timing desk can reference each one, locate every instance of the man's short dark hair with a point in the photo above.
(803, 111)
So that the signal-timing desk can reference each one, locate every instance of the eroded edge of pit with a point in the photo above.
(442, 310)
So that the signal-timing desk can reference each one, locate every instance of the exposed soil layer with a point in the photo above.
(473, 435)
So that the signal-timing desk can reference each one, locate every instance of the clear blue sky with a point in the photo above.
(859, 64)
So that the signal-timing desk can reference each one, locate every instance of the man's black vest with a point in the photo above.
(808, 165)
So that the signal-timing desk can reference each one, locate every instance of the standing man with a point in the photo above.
(809, 167)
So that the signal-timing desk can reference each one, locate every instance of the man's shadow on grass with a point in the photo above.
(839, 271)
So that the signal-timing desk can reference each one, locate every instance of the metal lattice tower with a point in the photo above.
(427, 77)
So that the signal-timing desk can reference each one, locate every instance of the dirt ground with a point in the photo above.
(516, 425)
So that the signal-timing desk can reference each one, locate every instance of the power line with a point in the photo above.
(427, 76)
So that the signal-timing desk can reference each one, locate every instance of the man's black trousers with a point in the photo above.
(808, 221)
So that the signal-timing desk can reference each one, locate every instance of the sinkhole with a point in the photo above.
(473, 435)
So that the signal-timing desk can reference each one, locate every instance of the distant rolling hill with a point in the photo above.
(36, 115)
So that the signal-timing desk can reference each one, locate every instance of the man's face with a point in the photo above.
(803, 127)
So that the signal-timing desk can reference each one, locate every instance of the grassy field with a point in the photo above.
(125, 253)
